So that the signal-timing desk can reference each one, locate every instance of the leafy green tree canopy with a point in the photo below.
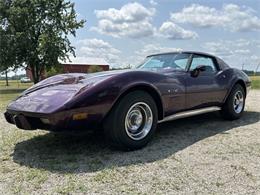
(7, 55)
(39, 31)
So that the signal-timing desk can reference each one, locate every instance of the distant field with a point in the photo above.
(14, 84)
(255, 82)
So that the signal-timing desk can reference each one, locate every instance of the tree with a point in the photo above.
(7, 58)
(40, 30)
(54, 70)
(3, 64)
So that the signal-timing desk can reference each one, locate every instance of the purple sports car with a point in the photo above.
(128, 104)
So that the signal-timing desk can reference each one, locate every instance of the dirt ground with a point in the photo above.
(198, 155)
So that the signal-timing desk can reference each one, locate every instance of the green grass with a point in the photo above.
(25, 180)
(6, 98)
(36, 161)
(255, 82)
(14, 84)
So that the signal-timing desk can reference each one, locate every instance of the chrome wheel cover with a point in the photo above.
(138, 121)
(238, 102)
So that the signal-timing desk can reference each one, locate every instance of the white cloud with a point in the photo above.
(86, 60)
(155, 48)
(257, 42)
(171, 30)
(240, 43)
(255, 58)
(153, 3)
(131, 12)
(242, 51)
(132, 20)
(237, 53)
(218, 49)
(231, 17)
(98, 48)
(229, 47)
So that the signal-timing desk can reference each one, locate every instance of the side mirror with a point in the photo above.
(197, 70)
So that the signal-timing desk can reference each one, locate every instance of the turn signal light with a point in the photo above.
(80, 116)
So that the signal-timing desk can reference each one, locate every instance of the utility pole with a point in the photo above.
(243, 66)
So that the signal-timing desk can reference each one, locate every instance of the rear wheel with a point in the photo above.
(235, 103)
(132, 122)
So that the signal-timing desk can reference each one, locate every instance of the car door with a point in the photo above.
(174, 85)
(203, 90)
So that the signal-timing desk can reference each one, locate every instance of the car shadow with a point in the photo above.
(90, 153)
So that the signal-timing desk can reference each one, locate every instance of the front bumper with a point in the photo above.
(26, 122)
(58, 122)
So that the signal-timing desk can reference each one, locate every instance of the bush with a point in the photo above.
(94, 68)
(54, 70)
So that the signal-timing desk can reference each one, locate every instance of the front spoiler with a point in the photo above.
(24, 121)
(58, 122)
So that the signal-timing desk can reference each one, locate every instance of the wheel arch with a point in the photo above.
(240, 82)
(152, 91)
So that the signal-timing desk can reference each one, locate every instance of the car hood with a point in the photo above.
(52, 93)
(67, 80)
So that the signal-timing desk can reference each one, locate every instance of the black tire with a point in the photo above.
(115, 127)
(228, 110)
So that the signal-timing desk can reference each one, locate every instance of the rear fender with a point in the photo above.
(238, 78)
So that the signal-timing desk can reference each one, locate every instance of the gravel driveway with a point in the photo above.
(197, 155)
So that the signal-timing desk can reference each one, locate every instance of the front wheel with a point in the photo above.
(235, 103)
(132, 122)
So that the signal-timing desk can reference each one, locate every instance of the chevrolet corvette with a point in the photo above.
(128, 104)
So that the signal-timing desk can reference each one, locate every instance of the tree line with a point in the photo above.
(35, 34)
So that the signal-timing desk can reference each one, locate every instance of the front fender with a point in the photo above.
(107, 93)
(149, 88)
(139, 84)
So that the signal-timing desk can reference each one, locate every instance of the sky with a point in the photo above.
(124, 32)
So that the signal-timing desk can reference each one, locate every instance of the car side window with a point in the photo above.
(203, 60)
(182, 62)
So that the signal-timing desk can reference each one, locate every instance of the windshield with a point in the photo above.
(165, 62)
